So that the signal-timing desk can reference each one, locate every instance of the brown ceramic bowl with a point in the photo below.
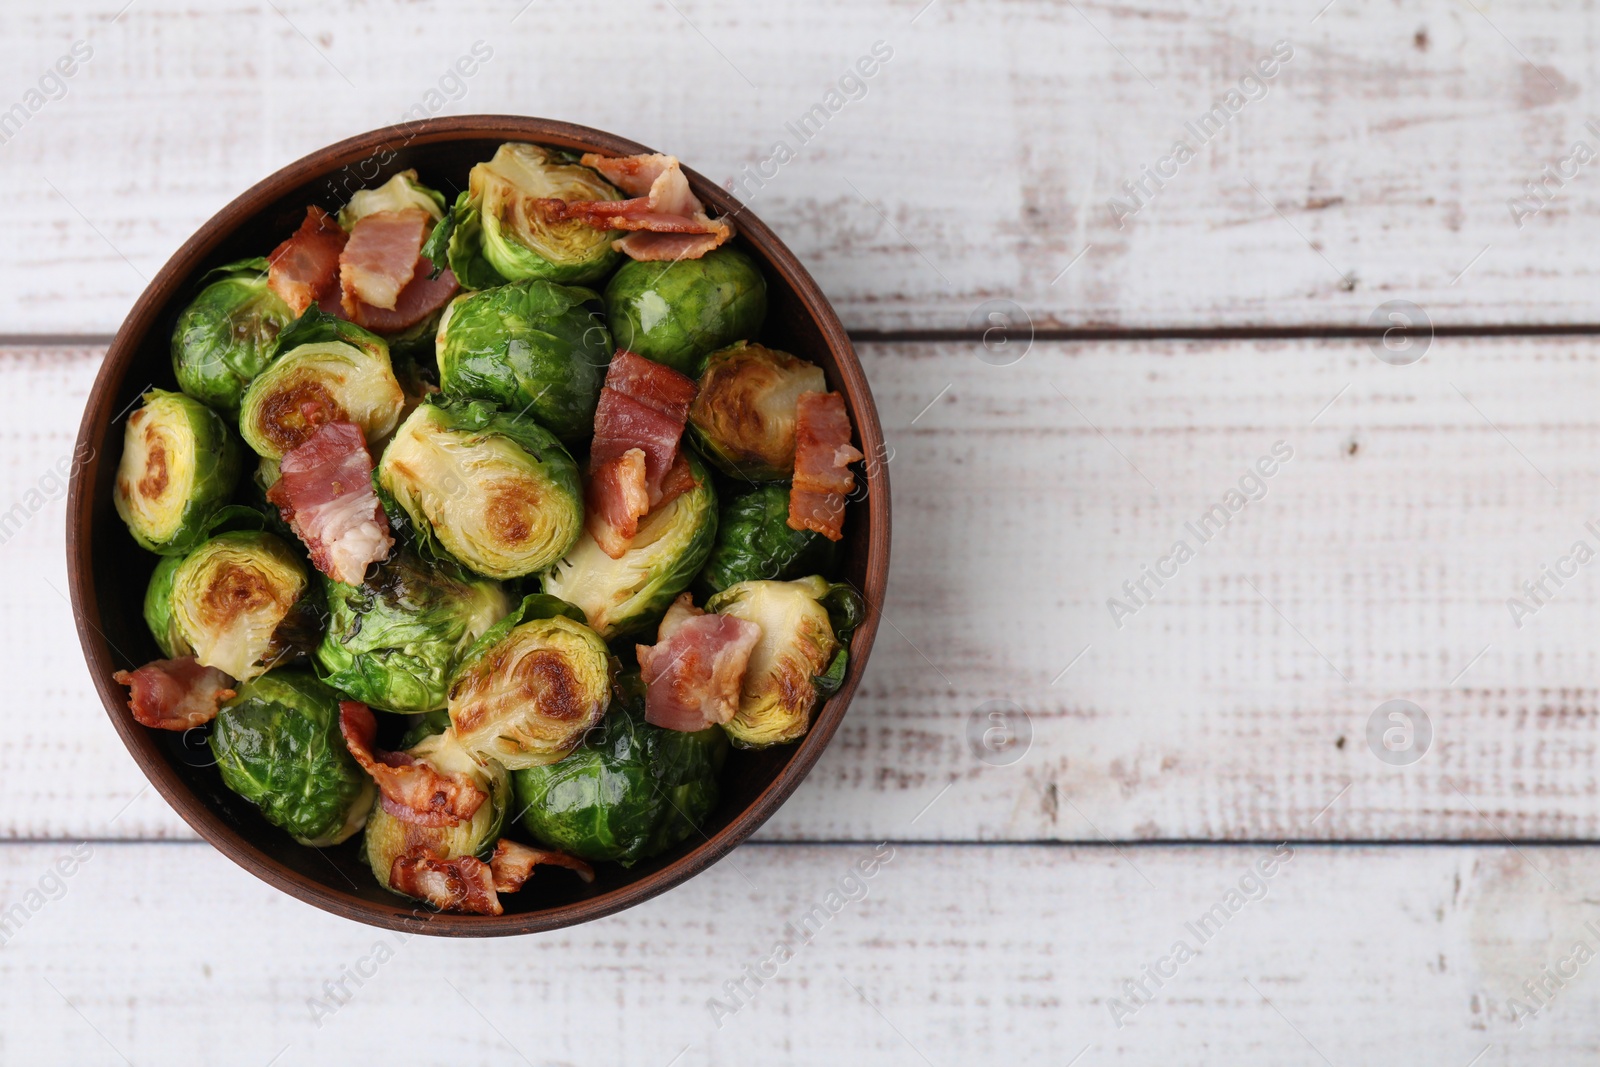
(108, 572)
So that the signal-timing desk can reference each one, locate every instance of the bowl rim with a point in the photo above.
(404, 915)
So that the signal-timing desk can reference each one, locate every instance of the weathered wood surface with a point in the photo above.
(954, 955)
(1235, 706)
(977, 163)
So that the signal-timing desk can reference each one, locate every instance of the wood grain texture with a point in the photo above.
(1379, 163)
(1235, 706)
(954, 955)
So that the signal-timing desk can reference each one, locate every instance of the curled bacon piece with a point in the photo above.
(634, 460)
(460, 884)
(325, 494)
(615, 500)
(667, 220)
(175, 694)
(822, 458)
(409, 788)
(305, 268)
(512, 864)
(694, 671)
(380, 258)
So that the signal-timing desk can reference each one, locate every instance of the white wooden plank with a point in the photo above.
(1389, 544)
(169, 954)
(978, 164)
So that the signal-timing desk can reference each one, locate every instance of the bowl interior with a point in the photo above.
(109, 572)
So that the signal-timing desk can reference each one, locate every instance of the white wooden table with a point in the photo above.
(1176, 743)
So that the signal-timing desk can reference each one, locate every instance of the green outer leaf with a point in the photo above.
(218, 460)
(679, 313)
(754, 540)
(277, 744)
(228, 334)
(533, 606)
(158, 610)
(628, 596)
(464, 247)
(394, 641)
(427, 724)
(436, 247)
(630, 792)
(531, 346)
(316, 326)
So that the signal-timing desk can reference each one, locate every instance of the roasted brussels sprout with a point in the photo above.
(500, 220)
(495, 491)
(228, 334)
(631, 791)
(394, 641)
(629, 595)
(531, 686)
(388, 838)
(534, 347)
(277, 744)
(680, 312)
(179, 466)
(797, 645)
(330, 371)
(237, 603)
(755, 541)
(399, 193)
(744, 412)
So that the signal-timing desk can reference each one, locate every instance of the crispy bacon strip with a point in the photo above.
(461, 884)
(175, 694)
(822, 458)
(409, 788)
(381, 256)
(513, 863)
(615, 500)
(305, 268)
(695, 670)
(668, 222)
(419, 299)
(325, 494)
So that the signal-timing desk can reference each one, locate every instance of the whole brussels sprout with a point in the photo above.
(755, 541)
(237, 603)
(531, 686)
(499, 220)
(629, 595)
(534, 347)
(394, 641)
(798, 644)
(330, 371)
(277, 744)
(631, 791)
(388, 838)
(179, 466)
(494, 490)
(743, 416)
(228, 334)
(678, 313)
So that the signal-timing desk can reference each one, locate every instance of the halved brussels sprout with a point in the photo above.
(495, 491)
(629, 595)
(277, 744)
(236, 601)
(394, 641)
(631, 791)
(179, 466)
(399, 193)
(534, 347)
(387, 838)
(743, 414)
(755, 541)
(531, 687)
(797, 644)
(228, 334)
(330, 371)
(514, 236)
(677, 313)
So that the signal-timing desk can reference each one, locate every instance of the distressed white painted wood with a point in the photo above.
(978, 162)
(1236, 705)
(954, 956)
